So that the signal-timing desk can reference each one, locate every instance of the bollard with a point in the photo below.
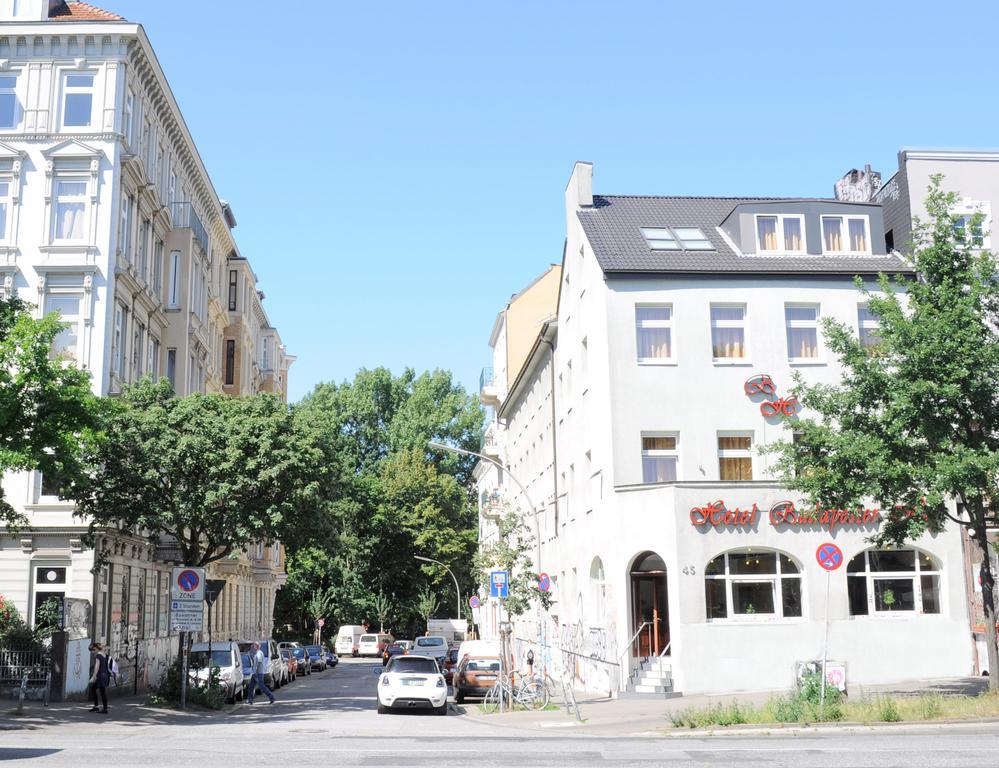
(22, 693)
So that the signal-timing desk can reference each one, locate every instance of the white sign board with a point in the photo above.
(187, 599)
(77, 666)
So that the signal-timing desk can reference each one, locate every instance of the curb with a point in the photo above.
(778, 729)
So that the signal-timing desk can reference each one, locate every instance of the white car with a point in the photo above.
(434, 646)
(412, 682)
(373, 644)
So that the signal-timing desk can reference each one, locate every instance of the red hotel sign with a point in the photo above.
(717, 515)
(762, 384)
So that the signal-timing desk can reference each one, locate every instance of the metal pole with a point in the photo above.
(183, 669)
(825, 652)
(457, 589)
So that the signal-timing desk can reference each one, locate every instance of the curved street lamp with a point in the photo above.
(457, 589)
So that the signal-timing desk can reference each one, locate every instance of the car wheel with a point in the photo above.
(442, 709)
(459, 698)
(382, 710)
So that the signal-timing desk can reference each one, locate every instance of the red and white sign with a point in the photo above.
(321, 623)
(829, 556)
(762, 384)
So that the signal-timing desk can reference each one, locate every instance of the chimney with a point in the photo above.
(579, 192)
(858, 186)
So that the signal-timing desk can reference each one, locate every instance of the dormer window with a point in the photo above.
(780, 234)
(676, 239)
(845, 234)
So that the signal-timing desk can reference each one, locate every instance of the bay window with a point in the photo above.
(886, 581)
(752, 584)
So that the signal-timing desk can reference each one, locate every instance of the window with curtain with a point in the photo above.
(735, 458)
(766, 232)
(780, 234)
(67, 342)
(70, 209)
(893, 581)
(794, 239)
(750, 584)
(654, 332)
(659, 458)
(867, 327)
(845, 234)
(858, 235)
(832, 233)
(728, 331)
(802, 323)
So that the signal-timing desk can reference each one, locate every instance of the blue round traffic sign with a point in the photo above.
(829, 556)
(188, 580)
(544, 582)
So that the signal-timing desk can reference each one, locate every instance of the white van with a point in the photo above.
(348, 639)
(374, 644)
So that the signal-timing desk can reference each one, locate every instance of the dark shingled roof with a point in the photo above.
(613, 227)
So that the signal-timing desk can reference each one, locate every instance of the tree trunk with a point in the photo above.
(988, 604)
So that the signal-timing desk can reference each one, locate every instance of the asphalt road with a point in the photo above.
(330, 719)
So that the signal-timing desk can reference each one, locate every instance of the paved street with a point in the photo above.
(329, 719)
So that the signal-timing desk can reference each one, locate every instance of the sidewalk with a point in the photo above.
(123, 709)
(620, 717)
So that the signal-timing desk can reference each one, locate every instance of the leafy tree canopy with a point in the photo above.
(914, 423)
(214, 472)
(46, 407)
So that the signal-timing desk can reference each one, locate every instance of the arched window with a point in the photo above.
(893, 581)
(751, 584)
(598, 590)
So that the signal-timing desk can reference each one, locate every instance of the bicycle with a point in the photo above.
(530, 693)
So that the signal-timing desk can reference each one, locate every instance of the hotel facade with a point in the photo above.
(655, 375)
(109, 217)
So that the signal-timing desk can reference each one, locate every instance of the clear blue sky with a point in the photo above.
(397, 168)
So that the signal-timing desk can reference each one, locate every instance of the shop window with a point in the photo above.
(735, 458)
(893, 581)
(752, 584)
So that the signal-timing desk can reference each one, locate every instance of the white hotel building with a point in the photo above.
(669, 314)
(109, 217)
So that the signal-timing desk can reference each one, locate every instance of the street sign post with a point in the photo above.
(499, 585)
(187, 599)
(829, 557)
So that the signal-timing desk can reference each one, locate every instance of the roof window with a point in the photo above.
(676, 239)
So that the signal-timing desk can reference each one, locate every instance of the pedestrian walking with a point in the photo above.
(259, 661)
(100, 676)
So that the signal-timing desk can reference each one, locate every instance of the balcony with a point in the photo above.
(490, 442)
(490, 392)
(184, 217)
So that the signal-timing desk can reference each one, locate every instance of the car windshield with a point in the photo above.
(246, 660)
(369, 638)
(315, 650)
(199, 659)
(426, 642)
(298, 653)
(483, 665)
(418, 664)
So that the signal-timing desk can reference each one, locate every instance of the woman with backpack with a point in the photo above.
(100, 677)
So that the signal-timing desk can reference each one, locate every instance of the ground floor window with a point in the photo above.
(893, 581)
(752, 583)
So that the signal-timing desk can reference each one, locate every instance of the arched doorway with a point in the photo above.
(649, 606)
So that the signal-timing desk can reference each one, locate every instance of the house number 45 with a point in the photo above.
(689, 570)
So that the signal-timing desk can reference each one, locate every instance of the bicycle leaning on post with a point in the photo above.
(530, 693)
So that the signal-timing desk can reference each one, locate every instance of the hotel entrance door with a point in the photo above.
(650, 609)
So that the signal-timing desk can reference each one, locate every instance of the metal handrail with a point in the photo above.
(663, 651)
(638, 631)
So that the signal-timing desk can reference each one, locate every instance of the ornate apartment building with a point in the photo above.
(109, 217)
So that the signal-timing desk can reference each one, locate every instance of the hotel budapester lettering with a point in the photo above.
(717, 515)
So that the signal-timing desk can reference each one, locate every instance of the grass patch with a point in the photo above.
(802, 707)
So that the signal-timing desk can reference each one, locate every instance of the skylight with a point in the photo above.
(676, 238)
(660, 239)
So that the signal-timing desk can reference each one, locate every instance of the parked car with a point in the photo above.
(277, 671)
(347, 639)
(292, 663)
(411, 682)
(450, 662)
(331, 658)
(373, 644)
(433, 646)
(398, 648)
(317, 657)
(474, 676)
(225, 656)
(302, 657)
(247, 671)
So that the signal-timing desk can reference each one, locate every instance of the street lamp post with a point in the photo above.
(534, 512)
(457, 589)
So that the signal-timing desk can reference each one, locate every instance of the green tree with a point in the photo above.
(215, 473)
(916, 423)
(427, 603)
(383, 610)
(513, 551)
(46, 407)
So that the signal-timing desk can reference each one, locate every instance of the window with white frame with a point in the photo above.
(69, 307)
(970, 229)
(846, 234)
(127, 116)
(118, 344)
(735, 456)
(598, 589)
(153, 358)
(160, 153)
(173, 284)
(654, 332)
(158, 270)
(50, 583)
(78, 99)
(802, 324)
(780, 233)
(752, 584)
(143, 260)
(125, 226)
(728, 331)
(5, 208)
(867, 327)
(138, 351)
(9, 106)
(660, 458)
(885, 581)
(693, 239)
(676, 239)
(70, 209)
(660, 239)
(171, 367)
